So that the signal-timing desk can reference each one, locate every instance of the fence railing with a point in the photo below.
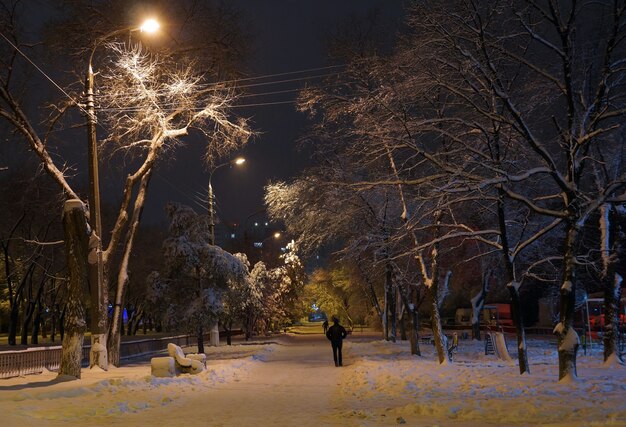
(34, 360)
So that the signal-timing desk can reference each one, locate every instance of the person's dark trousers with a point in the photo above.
(337, 352)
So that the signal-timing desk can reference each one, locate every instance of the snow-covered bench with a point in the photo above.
(177, 363)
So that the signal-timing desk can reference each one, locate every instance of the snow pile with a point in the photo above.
(44, 398)
(386, 384)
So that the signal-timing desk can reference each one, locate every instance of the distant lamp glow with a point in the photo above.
(240, 161)
(150, 26)
(276, 235)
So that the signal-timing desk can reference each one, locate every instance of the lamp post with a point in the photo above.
(98, 291)
(215, 332)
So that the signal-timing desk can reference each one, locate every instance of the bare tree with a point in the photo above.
(147, 104)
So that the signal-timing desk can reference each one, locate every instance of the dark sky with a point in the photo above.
(287, 35)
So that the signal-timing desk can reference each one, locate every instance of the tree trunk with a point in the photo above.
(62, 322)
(567, 338)
(14, 318)
(478, 302)
(387, 309)
(200, 339)
(518, 321)
(403, 335)
(131, 320)
(122, 278)
(414, 337)
(393, 315)
(37, 323)
(229, 332)
(513, 286)
(76, 244)
(411, 306)
(28, 317)
(611, 281)
(612, 296)
(435, 319)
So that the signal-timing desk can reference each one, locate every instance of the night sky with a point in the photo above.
(287, 35)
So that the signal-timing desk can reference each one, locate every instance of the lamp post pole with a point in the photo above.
(211, 212)
(215, 332)
(98, 291)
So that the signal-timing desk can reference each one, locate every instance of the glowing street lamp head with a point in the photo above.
(239, 160)
(276, 235)
(150, 26)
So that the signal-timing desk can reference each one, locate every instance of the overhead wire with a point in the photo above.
(275, 82)
(251, 95)
(18, 50)
(192, 199)
(271, 83)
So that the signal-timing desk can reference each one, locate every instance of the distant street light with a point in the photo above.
(238, 161)
(96, 273)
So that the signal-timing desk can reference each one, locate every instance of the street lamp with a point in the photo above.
(97, 354)
(238, 161)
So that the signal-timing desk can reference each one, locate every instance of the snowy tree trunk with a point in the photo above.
(391, 301)
(76, 245)
(513, 286)
(612, 296)
(567, 338)
(611, 281)
(115, 331)
(435, 319)
(518, 321)
(478, 302)
(411, 307)
(386, 309)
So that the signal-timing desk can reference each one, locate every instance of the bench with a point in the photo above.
(177, 363)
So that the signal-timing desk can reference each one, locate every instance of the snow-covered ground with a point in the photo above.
(294, 382)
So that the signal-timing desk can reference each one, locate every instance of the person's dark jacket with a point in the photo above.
(336, 333)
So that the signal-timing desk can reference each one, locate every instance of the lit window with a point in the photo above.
(258, 244)
(232, 236)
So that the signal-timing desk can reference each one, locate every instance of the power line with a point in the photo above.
(251, 95)
(290, 80)
(169, 110)
(271, 83)
(192, 199)
(44, 73)
(281, 74)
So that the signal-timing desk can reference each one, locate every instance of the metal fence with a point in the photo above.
(34, 360)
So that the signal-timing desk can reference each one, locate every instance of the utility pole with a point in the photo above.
(98, 292)
(215, 331)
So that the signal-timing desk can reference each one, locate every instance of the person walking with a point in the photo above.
(336, 333)
(325, 326)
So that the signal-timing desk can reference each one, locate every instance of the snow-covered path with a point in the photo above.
(292, 387)
(285, 384)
